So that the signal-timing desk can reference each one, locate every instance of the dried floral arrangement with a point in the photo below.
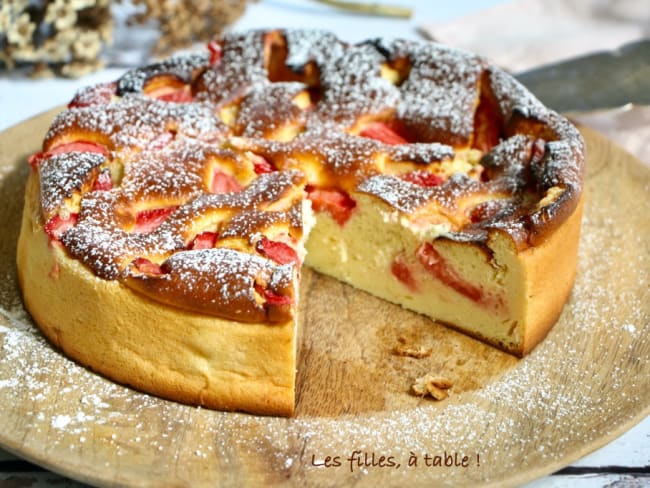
(61, 35)
(65, 37)
(184, 22)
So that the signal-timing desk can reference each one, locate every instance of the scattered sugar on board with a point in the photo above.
(32, 369)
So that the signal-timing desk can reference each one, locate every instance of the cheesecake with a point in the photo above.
(169, 213)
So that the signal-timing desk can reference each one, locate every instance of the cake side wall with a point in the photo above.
(550, 273)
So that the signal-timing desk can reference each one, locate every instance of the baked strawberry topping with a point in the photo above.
(435, 264)
(423, 178)
(204, 240)
(57, 226)
(485, 210)
(215, 52)
(277, 251)
(381, 131)
(223, 183)
(145, 266)
(261, 165)
(537, 151)
(401, 271)
(168, 88)
(149, 220)
(77, 146)
(181, 95)
(37, 158)
(336, 202)
(104, 182)
(271, 297)
(99, 94)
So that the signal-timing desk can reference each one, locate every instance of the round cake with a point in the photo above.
(169, 213)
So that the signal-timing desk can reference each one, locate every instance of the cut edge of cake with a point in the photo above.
(494, 292)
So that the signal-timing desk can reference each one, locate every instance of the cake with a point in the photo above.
(169, 213)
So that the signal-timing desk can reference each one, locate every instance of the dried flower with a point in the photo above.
(61, 13)
(20, 32)
(57, 49)
(18, 5)
(87, 45)
(66, 36)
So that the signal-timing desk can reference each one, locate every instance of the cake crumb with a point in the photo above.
(413, 351)
(434, 386)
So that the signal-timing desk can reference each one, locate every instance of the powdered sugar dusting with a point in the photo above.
(135, 120)
(524, 414)
(166, 148)
(63, 175)
(219, 282)
(53, 408)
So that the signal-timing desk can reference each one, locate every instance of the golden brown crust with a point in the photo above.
(550, 273)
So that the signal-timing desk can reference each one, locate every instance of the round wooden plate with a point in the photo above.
(506, 421)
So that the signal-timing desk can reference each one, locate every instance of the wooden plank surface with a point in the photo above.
(506, 422)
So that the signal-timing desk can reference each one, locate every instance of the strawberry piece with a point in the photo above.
(223, 183)
(423, 178)
(104, 182)
(77, 146)
(182, 95)
(273, 298)
(99, 94)
(336, 202)
(486, 210)
(435, 264)
(205, 240)
(145, 266)
(57, 226)
(37, 158)
(168, 88)
(261, 165)
(148, 220)
(401, 271)
(215, 52)
(382, 132)
(277, 251)
(161, 140)
(537, 151)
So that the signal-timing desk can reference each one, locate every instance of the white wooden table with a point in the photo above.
(624, 462)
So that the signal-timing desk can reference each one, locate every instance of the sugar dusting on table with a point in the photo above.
(467, 423)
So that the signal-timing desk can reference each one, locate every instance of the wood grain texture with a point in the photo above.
(512, 420)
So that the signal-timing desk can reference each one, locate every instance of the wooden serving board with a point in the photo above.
(507, 421)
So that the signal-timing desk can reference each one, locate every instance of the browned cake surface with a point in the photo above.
(302, 100)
